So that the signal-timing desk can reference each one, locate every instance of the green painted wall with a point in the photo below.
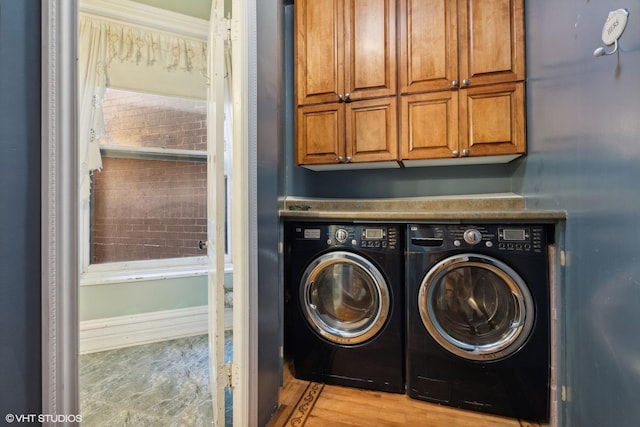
(196, 8)
(123, 299)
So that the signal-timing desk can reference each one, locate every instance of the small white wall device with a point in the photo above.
(612, 30)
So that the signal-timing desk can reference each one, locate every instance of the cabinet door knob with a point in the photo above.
(348, 159)
(465, 152)
(466, 82)
(456, 153)
(339, 159)
(347, 97)
(455, 83)
(340, 98)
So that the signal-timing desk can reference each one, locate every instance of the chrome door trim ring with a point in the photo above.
(521, 328)
(337, 335)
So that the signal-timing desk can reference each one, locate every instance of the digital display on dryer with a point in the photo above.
(514, 234)
(373, 234)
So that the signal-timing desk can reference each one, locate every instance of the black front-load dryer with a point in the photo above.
(478, 317)
(344, 301)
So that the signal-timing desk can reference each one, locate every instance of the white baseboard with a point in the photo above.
(125, 331)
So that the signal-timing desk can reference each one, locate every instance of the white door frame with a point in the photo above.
(59, 250)
(215, 208)
(59, 247)
(244, 204)
(240, 182)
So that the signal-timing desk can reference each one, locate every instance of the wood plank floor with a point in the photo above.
(308, 404)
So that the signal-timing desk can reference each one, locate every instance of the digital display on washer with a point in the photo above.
(373, 234)
(515, 234)
(312, 233)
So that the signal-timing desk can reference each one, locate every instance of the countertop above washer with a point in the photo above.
(478, 207)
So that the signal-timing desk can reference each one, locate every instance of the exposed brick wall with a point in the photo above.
(146, 120)
(150, 209)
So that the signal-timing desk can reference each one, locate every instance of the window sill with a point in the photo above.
(139, 272)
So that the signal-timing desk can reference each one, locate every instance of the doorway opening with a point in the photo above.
(145, 305)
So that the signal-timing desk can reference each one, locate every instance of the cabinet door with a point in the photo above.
(491, 41)
(428, 32)
(370, 48)
(429, 125)
(492, 119)
(320, 134)
(371, 130)
(319, 50)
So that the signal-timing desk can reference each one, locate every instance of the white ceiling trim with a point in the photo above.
(147, 16)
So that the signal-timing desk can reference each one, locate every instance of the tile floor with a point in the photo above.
(158, 384)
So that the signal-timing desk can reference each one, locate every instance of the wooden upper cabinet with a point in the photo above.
(345, 50)
(370, 48)
(429, 125)
(319, 50)
(346, 82)
(428, 33)
(320, 134)
(445, 44)
(344, 133)
(491, 41)
(492, 120)
(483, 121)
(461, 79)
(452, 90)
(371, 130)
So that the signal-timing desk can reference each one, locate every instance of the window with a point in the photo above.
(148, 206)
(149, 200)
(143, 150)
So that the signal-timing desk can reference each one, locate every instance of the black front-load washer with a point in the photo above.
(344, 301)
(478, 317)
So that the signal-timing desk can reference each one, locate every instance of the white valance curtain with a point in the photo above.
(116, 54)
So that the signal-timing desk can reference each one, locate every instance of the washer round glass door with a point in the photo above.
(476, 307)
(344, 297)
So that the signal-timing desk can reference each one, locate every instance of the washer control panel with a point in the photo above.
(375, 237)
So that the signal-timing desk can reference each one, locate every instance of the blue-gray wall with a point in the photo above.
(20, 330)
(267, 162)
(584, 154)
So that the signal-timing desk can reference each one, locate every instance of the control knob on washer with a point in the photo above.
(342, 235)
(472, 236)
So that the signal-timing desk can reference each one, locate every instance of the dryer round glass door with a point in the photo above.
(344, 297)
(476, 307)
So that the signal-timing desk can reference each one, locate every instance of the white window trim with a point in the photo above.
(137, 271)
(118, 272)
(152, 153)
(134, 271)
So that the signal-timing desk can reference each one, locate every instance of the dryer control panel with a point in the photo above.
(511, 238)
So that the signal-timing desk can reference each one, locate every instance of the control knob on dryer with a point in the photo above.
(472, 236)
